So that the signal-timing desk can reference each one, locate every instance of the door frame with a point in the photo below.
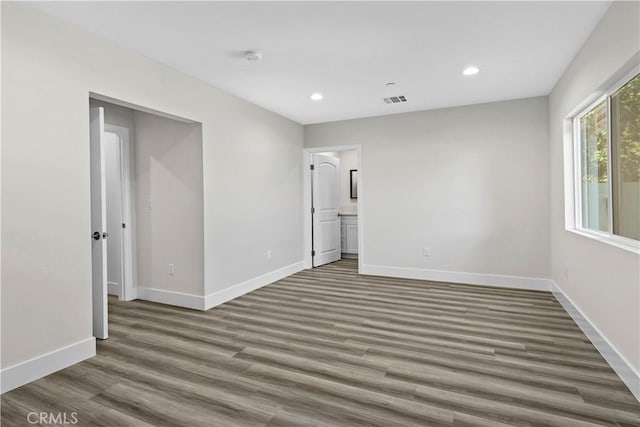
(307, 160)
(128, 260)
(99, 315)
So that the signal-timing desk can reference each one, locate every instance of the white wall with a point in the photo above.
(602, 281)
(470, 183)
(169, 204)
(251, 163)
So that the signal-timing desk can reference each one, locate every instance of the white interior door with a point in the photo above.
(98, 224)
(326, 209)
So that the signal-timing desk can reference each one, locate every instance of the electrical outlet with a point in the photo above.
(269, 254)
(172, 270)
(426, 252)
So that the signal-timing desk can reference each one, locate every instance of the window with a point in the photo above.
(607, 138)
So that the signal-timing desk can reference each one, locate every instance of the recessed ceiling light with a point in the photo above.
(470, 71)
(316, 96)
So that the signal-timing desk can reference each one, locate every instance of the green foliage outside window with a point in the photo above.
(610, 163)
(593, 124)
(626, 105)
(593, 131)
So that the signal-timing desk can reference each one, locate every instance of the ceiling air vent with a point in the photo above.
(395, 99)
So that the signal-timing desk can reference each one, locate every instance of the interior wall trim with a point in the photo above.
(40, 366)
(216, 298)
(496, 280)
(618, 363)
(199, 302)
(179, 299)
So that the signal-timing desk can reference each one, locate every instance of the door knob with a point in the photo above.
(95, 235)
(105, 235)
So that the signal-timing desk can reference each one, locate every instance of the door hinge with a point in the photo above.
(124, 225)
(313, 253)
(312, 167)
(313, 210)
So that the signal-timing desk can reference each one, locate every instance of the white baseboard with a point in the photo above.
(220, 297)
(48, 363)
(133, 293)
(179, 299)
(113, 288)
(627, 374)
(496, 280)
(38, 367)
(199, 302)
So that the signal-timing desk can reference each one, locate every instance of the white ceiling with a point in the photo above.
(349, 50)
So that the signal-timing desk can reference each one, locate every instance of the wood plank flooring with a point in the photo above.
(329, 347)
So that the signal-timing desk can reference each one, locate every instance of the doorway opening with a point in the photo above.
(333, 196)
(146, 206)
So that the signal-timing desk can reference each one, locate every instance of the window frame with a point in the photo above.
(577, 226)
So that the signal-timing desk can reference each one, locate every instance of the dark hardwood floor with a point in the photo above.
(330, 347)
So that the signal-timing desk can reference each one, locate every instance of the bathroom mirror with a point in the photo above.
(354, 183)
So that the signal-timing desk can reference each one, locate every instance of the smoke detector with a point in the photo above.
(253, 55)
